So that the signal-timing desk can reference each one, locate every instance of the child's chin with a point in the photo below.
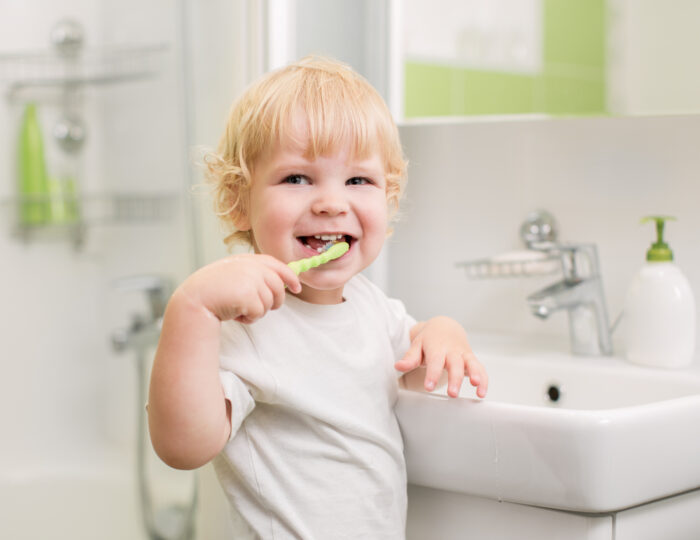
(321, 293)
(325, 281)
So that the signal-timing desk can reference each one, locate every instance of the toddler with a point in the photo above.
(288, 383)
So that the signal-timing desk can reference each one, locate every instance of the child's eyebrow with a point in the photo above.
(290, 169)
(365, 169)
(298, 164)
(290, 164)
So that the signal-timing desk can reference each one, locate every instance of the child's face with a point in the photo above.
(294, 200)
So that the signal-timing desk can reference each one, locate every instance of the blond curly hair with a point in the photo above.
(340, 108)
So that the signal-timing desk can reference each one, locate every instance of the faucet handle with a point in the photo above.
(579, 261)
(157, 289)
(539, 227)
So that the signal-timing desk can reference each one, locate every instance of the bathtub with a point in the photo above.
(85, 503)
(70, 504)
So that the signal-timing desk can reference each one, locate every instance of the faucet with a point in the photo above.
(143, 328)
(580, 292)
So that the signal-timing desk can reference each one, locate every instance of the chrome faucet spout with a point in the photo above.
(557, 296)
(580, 293)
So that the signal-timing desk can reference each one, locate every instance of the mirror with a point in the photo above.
(549, 57)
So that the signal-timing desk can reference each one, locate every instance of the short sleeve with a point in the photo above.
(242, 402)
(236, 348)
(400, 324)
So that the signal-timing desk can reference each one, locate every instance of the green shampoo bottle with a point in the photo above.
(32, 181)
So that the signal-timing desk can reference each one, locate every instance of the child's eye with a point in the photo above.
(296, 179)
(358, 181)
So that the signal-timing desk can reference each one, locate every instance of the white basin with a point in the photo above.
(618, 436)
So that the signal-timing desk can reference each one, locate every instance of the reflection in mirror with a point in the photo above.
(550, 57)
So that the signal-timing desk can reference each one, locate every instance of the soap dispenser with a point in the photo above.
(660, 309)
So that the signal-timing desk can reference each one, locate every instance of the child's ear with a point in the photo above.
(240, 220)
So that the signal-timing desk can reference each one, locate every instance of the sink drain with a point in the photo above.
(553, 393)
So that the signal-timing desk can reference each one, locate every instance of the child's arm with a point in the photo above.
(189, 418)
(441, 343)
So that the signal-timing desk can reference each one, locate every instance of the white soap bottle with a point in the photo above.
(660, 310)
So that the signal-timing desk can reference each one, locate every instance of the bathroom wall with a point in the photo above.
(650, 46)
(472, 183)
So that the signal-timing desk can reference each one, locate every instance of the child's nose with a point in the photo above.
(329, 204)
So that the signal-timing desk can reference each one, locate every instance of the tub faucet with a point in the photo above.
(144, 328)
(580, 292)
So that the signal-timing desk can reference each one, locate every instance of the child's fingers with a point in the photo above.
(413, 357)
(260, 297)
(288, 276)
(276, 287)
(434, 364)
(477, 374)
(251, 311)
(455, 373)
(291, 280)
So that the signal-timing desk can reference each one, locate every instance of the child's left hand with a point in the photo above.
(441, 343)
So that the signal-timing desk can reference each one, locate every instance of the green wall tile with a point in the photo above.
(428, 90)
(572, 96)
(572, 81)
(488, 92)
(574, 32)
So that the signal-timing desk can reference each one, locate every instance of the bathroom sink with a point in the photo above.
(588, 434)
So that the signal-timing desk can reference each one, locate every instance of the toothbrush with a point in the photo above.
(333, 251)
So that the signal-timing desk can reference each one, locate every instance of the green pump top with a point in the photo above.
(659, 250)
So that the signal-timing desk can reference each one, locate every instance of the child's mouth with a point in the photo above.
(320, 242)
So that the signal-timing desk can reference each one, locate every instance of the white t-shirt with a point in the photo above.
(315, 449)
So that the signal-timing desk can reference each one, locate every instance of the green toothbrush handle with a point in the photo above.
(335, 251)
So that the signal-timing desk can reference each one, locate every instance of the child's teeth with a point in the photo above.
(328, 237)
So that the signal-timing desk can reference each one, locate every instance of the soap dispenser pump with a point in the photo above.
(660, 309)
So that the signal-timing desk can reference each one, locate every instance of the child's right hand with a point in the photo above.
(241, 287)
(189, 417)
